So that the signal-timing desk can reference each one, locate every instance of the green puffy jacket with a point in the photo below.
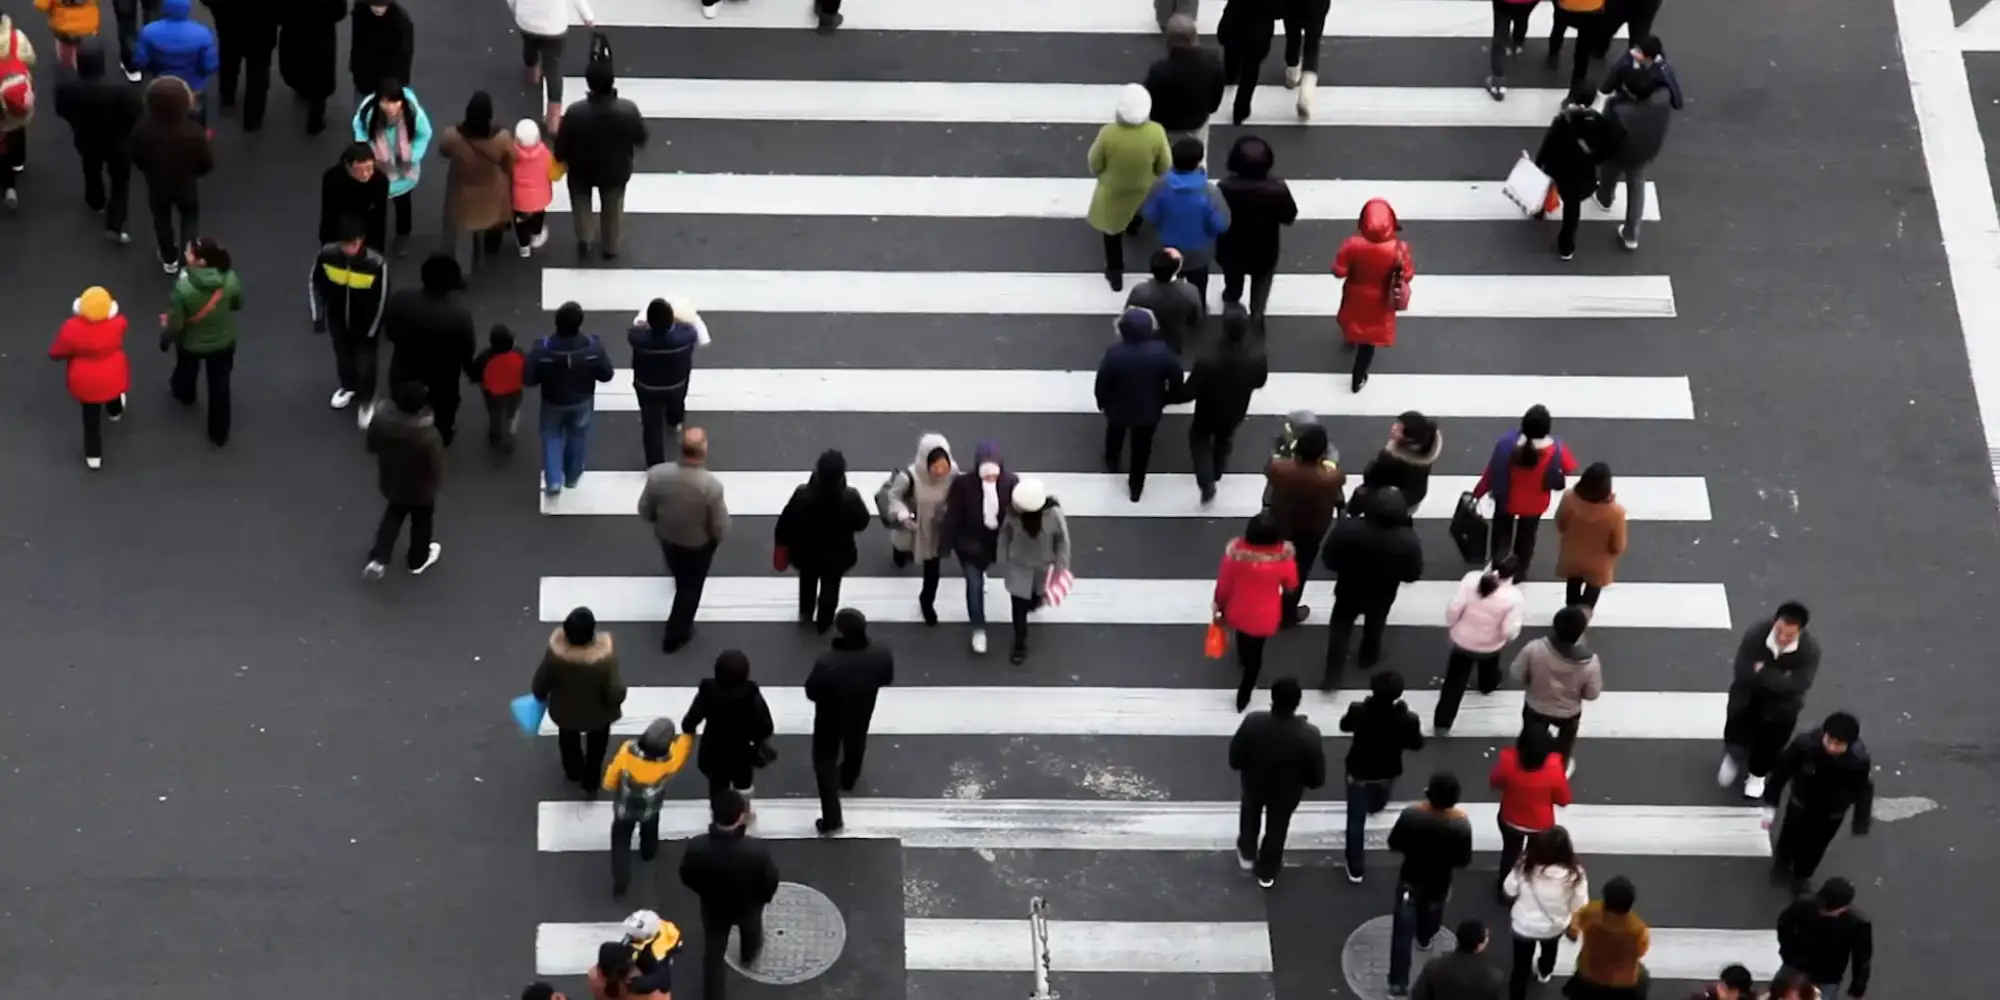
(195, 324)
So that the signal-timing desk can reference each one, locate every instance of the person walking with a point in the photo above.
(1482, 618)
(1173, 301)
(1575, 146)
(91, 345)
(73, 23)
(976, 504)
(1278, 757)
(172, 152)
(544, 24)
(1827, 939)
(1559, 674)
(1510, 35)
(409, 463)
(309, 55)
(1033, 550)
(1260, 205)
(1136, 379)
(567, 365)
(1305, 22)
(616, 976)
(652, 944)
(734, 878)
(1594, 27)
(912, 505)
(1465, 974)
(1126, 158)
(736, 742)
(1435, 840)
(1591, 525)
(1304, 491)
(1383, 729)
(1829, 774)
(1776, 662)
(393, 124)
(1547, 887)
(479, 179)
(579, 682)
(201, 330)
(1405, 461)
(637, 780)
(684, 503)
(102, 114)
(1188, 212)
(17, 108)
(355, 189)
(843, 686)
(434, 339)
(246, 35)
(1186, 83)
(599, 139)
(663, 342)
(1646, 58)
(1245, 36)
(1531, 783)
(498, 371)
(178, 46)
(1258, 571)
(1523, 473)
(382, 48)
(1640, 110)
(1220, 386)
(815, 535)
(1734, 983)
(1375, 268)
(1614, 942)
(132, 15)
(350, 288)
(533, 186)
(1370, 557)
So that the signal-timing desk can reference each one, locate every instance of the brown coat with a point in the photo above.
(1593, 537)
(1304, 497)
(1614, 944)
(580, 684)
(479, 180)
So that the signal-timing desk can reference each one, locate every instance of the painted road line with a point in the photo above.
(1100, 601)
(1094, 494)
(1172, 712)
(1349, 18)
(1101, 825)
(1060, 103)
(1012, 293)
(1046, 197)
(988, 391)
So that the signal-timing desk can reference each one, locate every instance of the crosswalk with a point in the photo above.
(1047, 779)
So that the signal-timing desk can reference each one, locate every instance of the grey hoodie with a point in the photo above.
(1645, 123)
(1559, 678)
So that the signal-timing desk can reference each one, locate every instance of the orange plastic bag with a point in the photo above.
(1216, 642)
(1552, 203)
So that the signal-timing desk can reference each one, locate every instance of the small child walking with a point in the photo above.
(535, 174)
(92, 342)
(498, 371)
(71, 21)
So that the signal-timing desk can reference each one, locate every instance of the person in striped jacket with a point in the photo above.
(349, 284)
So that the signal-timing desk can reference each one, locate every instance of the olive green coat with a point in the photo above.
(1126, 160)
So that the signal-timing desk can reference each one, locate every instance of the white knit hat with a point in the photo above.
(642, 925)
(527, 133)
(1030, 495)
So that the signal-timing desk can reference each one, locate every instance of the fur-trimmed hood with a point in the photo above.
(1242, 551)
(1402, 451)
(597, 650)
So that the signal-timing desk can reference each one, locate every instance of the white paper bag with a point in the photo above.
(684, 312)
(1527, 187)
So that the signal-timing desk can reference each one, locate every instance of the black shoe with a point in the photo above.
(1116, 279)
(1242, 701)
(1207, 495)
(826, 828)
(673, 643)
(608, 254)
(582, 252)
(1018, 656)
(618, 890)
(1296, 618)
(930, 614)
(829, 23)
(749, 958)
(1329, 680)
(1238, 117)
(847, 785)
(1358, 383)
(1136, 490)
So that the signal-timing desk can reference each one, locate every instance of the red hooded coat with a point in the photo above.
(1367, 314)
(1250, 586)
(95, 350)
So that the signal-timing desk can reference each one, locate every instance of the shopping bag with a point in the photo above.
(528, 711)
(1528, 187)
(1216, 642)
(558, 170)
(684, 313)
(781, 560)
(1468, 530)
(600, 51)
(1057, 586)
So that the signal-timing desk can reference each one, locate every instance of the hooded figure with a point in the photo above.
(736, 742)
(102, 114)
(637, 780)
(1221, 386)
(172, 153)
(978, 503)
(1188, 211)
(1127, 157)
(1259, 206)
(383, 47)
(578, 680)
(433, 337)
(1405, 461)
(309, 54)
(176, 45)
(1136, 380)
(92, 343)
(911, 504)
(842, 687)
(1367, 311)
(1370, 557)
(816, 531)
(1034, 546)
(399, 140)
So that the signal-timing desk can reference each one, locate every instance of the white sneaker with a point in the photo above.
(1569, 768)
(1266, 883)
(1291, 78)
(1753, 787)
(1626, 238)
(13, 199)
(979, 641)
(710, 12)
(430, 559)
(120, 415)
(93, 463)
(540, 239)
(1308, 86)
(373, 571)
(342, 398)
(132, 75)
(1352, 875)
(527, 251)
(1245, 863)
(172, 267)
(365, 414)
(1727, 774)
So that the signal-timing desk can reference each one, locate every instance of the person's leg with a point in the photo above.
(853, 748)
(1496, 58)
(181, 384)
(1232, 284)
(1402, 938)
(596, 743)
(621, 855)
(162, 209)
(1260, 294)
(582, 212)
(1250, 657)
(975, 595)
(1339, 625)
(1114, 443)
(1142, 458)
(552, 71)
(652, 427)
(927, 595)
(1488, 670)
(549, 422)
(386, 531)
(1364, 358)
(1271, 852)
(1249, 826)
(93, 178)
(1020, 608)
(93, 431)
(1521, 970)
(1354, 842)
(1114, 259)
(189, 211)
(808, 595)
(576, 442)
(1635, 204)
(256, 88)
(1374, 622)
(117, 206)
(423, 521)
(218, 366)
(569, 742)
(1305, 549)
(1572, 215)
(829, 602)
(1525, 530)
(1457, 672)
(613, 207)
(827, 781)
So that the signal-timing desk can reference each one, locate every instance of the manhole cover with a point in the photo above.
(1365, 958)
(803, 936)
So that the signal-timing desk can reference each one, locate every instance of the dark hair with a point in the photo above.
(850, 623)
(1164, 264)
(1794, 612)
(732, 667)
(349, 229)
(1548, 849)
(659, 315)
(1532, 747)
(1650, 46)
(1790, 984)
(579, 627)
(538, 991)
(1252, 158)
(1570, 623)
(726, 807)
(1263, 530)
(1470, 934)
(1619, 895)
(410, 397)
(1387, 685)
(478, 121)
(829, 478)
(1188, 153)
(1420, 431)
(1842, 726)
(1835, 893)
(500, 338)
(936, 453)
(1507, 568)
(1535, 425)
(1737, 977)
(356, 152)
(440, 273)
(211, 253)
(1285, 696)
(569, 319)
(372, 121)
(1443, 791)
(1311, 446)
(1595, 483)
(599, 79)
(614, 960)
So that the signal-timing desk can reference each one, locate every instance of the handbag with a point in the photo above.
(1468, 530)
(528, 711)
(1056, 586)
(781, 558)
(600, 51)
(1216, 642)
(1399, 281)
(1529, 188)
(1552, 475)
(168, 336)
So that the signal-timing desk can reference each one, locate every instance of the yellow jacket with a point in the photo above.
(639, 782)
(70, 18)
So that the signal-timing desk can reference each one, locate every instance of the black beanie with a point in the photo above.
(580, 627)
(851, 624)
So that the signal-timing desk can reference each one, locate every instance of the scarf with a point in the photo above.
(392, 145)
(989, 494)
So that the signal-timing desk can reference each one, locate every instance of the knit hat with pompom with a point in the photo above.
(96, 305)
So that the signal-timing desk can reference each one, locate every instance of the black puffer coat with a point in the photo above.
(1371, 556)
(1259, 206)
(818, 525)
(309, 46)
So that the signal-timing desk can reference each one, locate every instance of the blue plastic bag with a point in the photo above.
(528, 711)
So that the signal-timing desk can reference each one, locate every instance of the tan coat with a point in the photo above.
(479, 180)
(1593, 537)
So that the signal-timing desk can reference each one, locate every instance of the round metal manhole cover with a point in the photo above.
(804, 935)
(1365, 958)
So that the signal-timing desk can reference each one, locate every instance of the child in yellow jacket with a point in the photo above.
(637, 779)
(71, 21)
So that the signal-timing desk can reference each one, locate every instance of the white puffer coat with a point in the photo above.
(549, 18)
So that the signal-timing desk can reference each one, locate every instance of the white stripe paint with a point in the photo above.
(1097, 601)
(1096, 494)
(1012, 293)
(1349, 19)
(1979, 33)
(1061, 103)
(1101, 825)
(1194, 712)
(987, 391)
(1046, 197)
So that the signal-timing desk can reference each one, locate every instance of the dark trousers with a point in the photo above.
(1764, 740)
(1527, 962)
(422, 517)
(1019, 607)
(1418, 917)
(1513, 534)
(1364, 359)
(1210, 447)
(583, 755)
(1511, 842)
(819, 598)
(1803, 837)
(164, 208)
(689, 568)
(1114, 246)
(1510, 32)
(107, 185)
(1374, 617)
(1458, 671)
(355, 358)
(1272, 817)
(1305, 22)
(1564, 744)
(932, 569)
(660, 410)
(444, 401)
(545, 52)
(528, 225)
(1578, 592)
(715, 928)
(1572, 215)
(1260, 289)
(15, 145)
(1305, 550)
(610, 202)
(187, 365)
(129, 23)
(251, 64)
(1638, 14)
(621, 847)
(1198, 277)
(1142, 450)
(1250, 656)
(1364, 799)
(93, 425)
(482, 245)
(1593, 41)
(836, 761)
(1240, 65)
(401, 205)
(503, 416)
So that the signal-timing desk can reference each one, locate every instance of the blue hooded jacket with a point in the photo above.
(175, 45)
(1139, 375)
(1189, 214)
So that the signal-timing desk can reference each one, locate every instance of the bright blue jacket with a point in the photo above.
(176, 46)
(1189, 214)
(403, 177)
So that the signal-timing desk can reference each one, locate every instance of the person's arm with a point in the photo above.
(211, 57)
(1861, 959)
(1562, 790)
(1593, 682)
(316, 292)
(1062, 542)
(1316, 762)
(1349, 718)
(530, 372)
(1517, 668)
(1340, 264)
(1239, 746)
(1461, 841)
(1413, 731)
(543, 681)
(1781, 772)
(697, 712)
(600, 361)
(1864, 802)
(718, 514)
(649, 501)
(1096, 160)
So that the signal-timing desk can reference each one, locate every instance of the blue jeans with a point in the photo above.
(1418, 917)
(1364, 799)
(975, 595)
(565, 440)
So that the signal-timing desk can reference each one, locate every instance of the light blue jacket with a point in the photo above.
(402, 177)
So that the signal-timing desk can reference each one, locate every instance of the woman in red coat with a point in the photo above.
(93, 342)
(1258, 570)
(1532, 782)
(1376, 266)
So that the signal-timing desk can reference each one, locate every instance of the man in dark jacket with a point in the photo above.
(1828, 772)
(355, 189)
(101, 113)
(309, 54)
(1465, 974)
(1370, 557)
(1303, 493)
(1136, 380)
(1383, 729)
(843, 685)
(1574, 147)
(1220, 387)
(383, 47)
(568, 365)
(1825, 937)
(662, 360)
(1640, 108)
(599, 139)
(1173, 302)
(433, 337)
(1278, 756)
(1435, 840)
(350, 284)
(1776, 663)
(246, 33)
(1186, 83)
(1259, 206)
(409, 465)
(733, 876)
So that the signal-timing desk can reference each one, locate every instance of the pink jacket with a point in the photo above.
(533, 189)
(1483, 624)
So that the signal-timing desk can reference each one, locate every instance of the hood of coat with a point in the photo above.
(168, 99)
(1188, 183)
(1594, 510)
(598, 649)
(926, 444)
(176, 10)
(988, 451)
(1244, 552)
(1388, 507)
(1135, 104)
(1378, 221)
(1575, 652)
(1136, 325)
(204, 279)
(1405, 451)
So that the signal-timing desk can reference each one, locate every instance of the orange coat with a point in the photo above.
(71, 20)
(1593, 537)
(1367, 315)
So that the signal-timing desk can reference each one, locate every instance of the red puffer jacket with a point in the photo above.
(1367, 314)
(95, 350)
(1250, 586)
(1528, 799)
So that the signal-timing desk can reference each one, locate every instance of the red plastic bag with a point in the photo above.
(1216, 642)
(781, 560)
(1552, 203)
